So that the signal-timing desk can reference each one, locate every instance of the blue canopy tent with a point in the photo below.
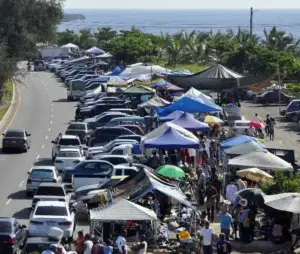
(239, 140)
(189, 105)
(174, 115)
(161, 83)
(117, 70)
(171, 139)
(95, 51)
(190, 123)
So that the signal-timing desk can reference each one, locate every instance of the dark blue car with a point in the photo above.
(88, 168)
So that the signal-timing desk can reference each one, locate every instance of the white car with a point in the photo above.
(68, 157)
(41, 174)
(239, 126)
(65, 141)
(48, 214)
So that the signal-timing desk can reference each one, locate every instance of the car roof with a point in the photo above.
(69, 149)
(128, 117)
(43, 167)
(51, 185)
(15, 130)
(52, 203)
(69, 137)
(96, 161)
(114, 113)
(116, 109)
(130, 125)
(115, 156)
(82, 123)
(8, 219)
(122, 166)
(112, 128)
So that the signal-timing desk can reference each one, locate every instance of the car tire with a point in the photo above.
(294, 118)
(25, 149)
(28, 194)
(4, 150)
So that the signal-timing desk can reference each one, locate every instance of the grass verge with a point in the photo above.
(8, 94)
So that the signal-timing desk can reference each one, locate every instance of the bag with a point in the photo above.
(247, 222)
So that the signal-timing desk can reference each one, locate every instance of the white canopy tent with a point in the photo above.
(70, 46)
(261, 159)
(142, 69)
(160, 130)
(244, 148)
(154, 102)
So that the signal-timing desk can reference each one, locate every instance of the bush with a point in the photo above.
(283, 183)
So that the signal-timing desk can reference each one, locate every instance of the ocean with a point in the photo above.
(172, 21)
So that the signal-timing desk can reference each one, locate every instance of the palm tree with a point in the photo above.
(173, 47)
(84, 38)
(104, 35)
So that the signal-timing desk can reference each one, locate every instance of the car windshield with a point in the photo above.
(69, 142)
(51, 211)
(5, 227)
(14, 134)
(76, 127)
(50, 191)
(42, 173)
(31, 248)
(68, 154)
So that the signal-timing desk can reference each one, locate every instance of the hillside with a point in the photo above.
(71, 17)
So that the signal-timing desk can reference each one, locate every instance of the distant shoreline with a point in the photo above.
(72, 17)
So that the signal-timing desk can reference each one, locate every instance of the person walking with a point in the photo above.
(122, 243)
(268, 121)
(108, 249)
(223, 246)
(211, 194)
(225, 224)
(271, 129)
(207, 234)
(88, 244)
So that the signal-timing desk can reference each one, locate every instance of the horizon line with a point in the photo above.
(172, 9)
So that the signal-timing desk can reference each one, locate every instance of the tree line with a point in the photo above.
(239, 51)
(23, 23)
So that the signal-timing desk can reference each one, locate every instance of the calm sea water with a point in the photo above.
(157, 21)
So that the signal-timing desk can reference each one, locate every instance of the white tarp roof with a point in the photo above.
(154, 102)
(244, 148)
(105, 55)
(121, 211)
(261, 159)
(142, 69)
(70, 45)
(160, 130)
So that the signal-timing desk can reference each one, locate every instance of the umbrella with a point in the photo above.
(211, 120)
(257, 124)
(254, 195)
(170, 171)
(289, 202)
(256, 175)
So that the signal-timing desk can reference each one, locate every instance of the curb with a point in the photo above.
(10, 108)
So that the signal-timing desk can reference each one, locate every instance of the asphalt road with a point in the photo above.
(44, 112)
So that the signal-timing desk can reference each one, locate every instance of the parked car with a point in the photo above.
(135, 128)
(16, 139)
(48, 214)
(131, 120)
(38, 244)
(292, 111)
(79, 129)
(273, 97)
(115, 159)
(102, 119)
(13, 235)
(68, 157)
(41, 174)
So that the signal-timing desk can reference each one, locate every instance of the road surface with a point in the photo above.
(44, 112)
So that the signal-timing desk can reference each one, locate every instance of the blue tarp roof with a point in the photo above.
(190, 123)
(188, 105)
(161, 83)
(171, 139)
(174, 115)
(117, 70)
(239, 140)
(95, 51)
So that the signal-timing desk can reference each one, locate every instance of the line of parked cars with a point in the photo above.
(91, 155)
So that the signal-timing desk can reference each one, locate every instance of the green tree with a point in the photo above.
(67, 36)
(84, 38)
(104, 35)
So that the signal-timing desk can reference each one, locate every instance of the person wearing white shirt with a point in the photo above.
(256, 118)
(231, 191)
(122, 243)
(207, 234)
(88, 244)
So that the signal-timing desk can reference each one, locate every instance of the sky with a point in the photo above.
(182, 4)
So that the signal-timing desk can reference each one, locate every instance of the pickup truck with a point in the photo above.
(100, 176)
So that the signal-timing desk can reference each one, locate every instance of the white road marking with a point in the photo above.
(46, 137)
(37, 157)
(52, 109)
(8, 201)
(2, 159)
(21, 184)
(280, 142)
(52, 115)
(49, 129)
(50, 122)
(43, 146)
(51, 105)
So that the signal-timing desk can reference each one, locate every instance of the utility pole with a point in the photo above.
(279, 87)
(251, 21)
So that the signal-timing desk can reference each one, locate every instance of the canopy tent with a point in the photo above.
(239, 140)
(154, 102)
(143, 69)
(196, 94)
(123, 210)
(244, 148)
(95, 51)
(173, 88)
(137, 186)
(116, 71)
(289, 202)
(261, 159)
(104, 56)
(160, 130)
(188, 122)
(78, 60)
(216, 78)
(70, 46)
(178, 73)
(188, 105)
(174, 115)
(171, 139)
(138, 90)
(161, 83)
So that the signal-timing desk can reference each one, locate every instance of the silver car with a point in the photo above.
(41, 174)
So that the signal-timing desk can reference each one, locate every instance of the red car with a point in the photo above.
(135, 128)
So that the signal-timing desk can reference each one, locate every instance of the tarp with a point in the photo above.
(239, 140)
(138, 186)
(70, 46)
(188, 122)
(244, 148)
(117, 70)
(123, 210)
(174, 115)
(216, 78)
(161, 83)
(105, 55)
(196, 94)
(154, 102)
(142, 69)
(84, 58)
(261, 159)
(173, 88)
(172, 139)
(138, 90)
(160, 130)
(95, 50)
(188, 105)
